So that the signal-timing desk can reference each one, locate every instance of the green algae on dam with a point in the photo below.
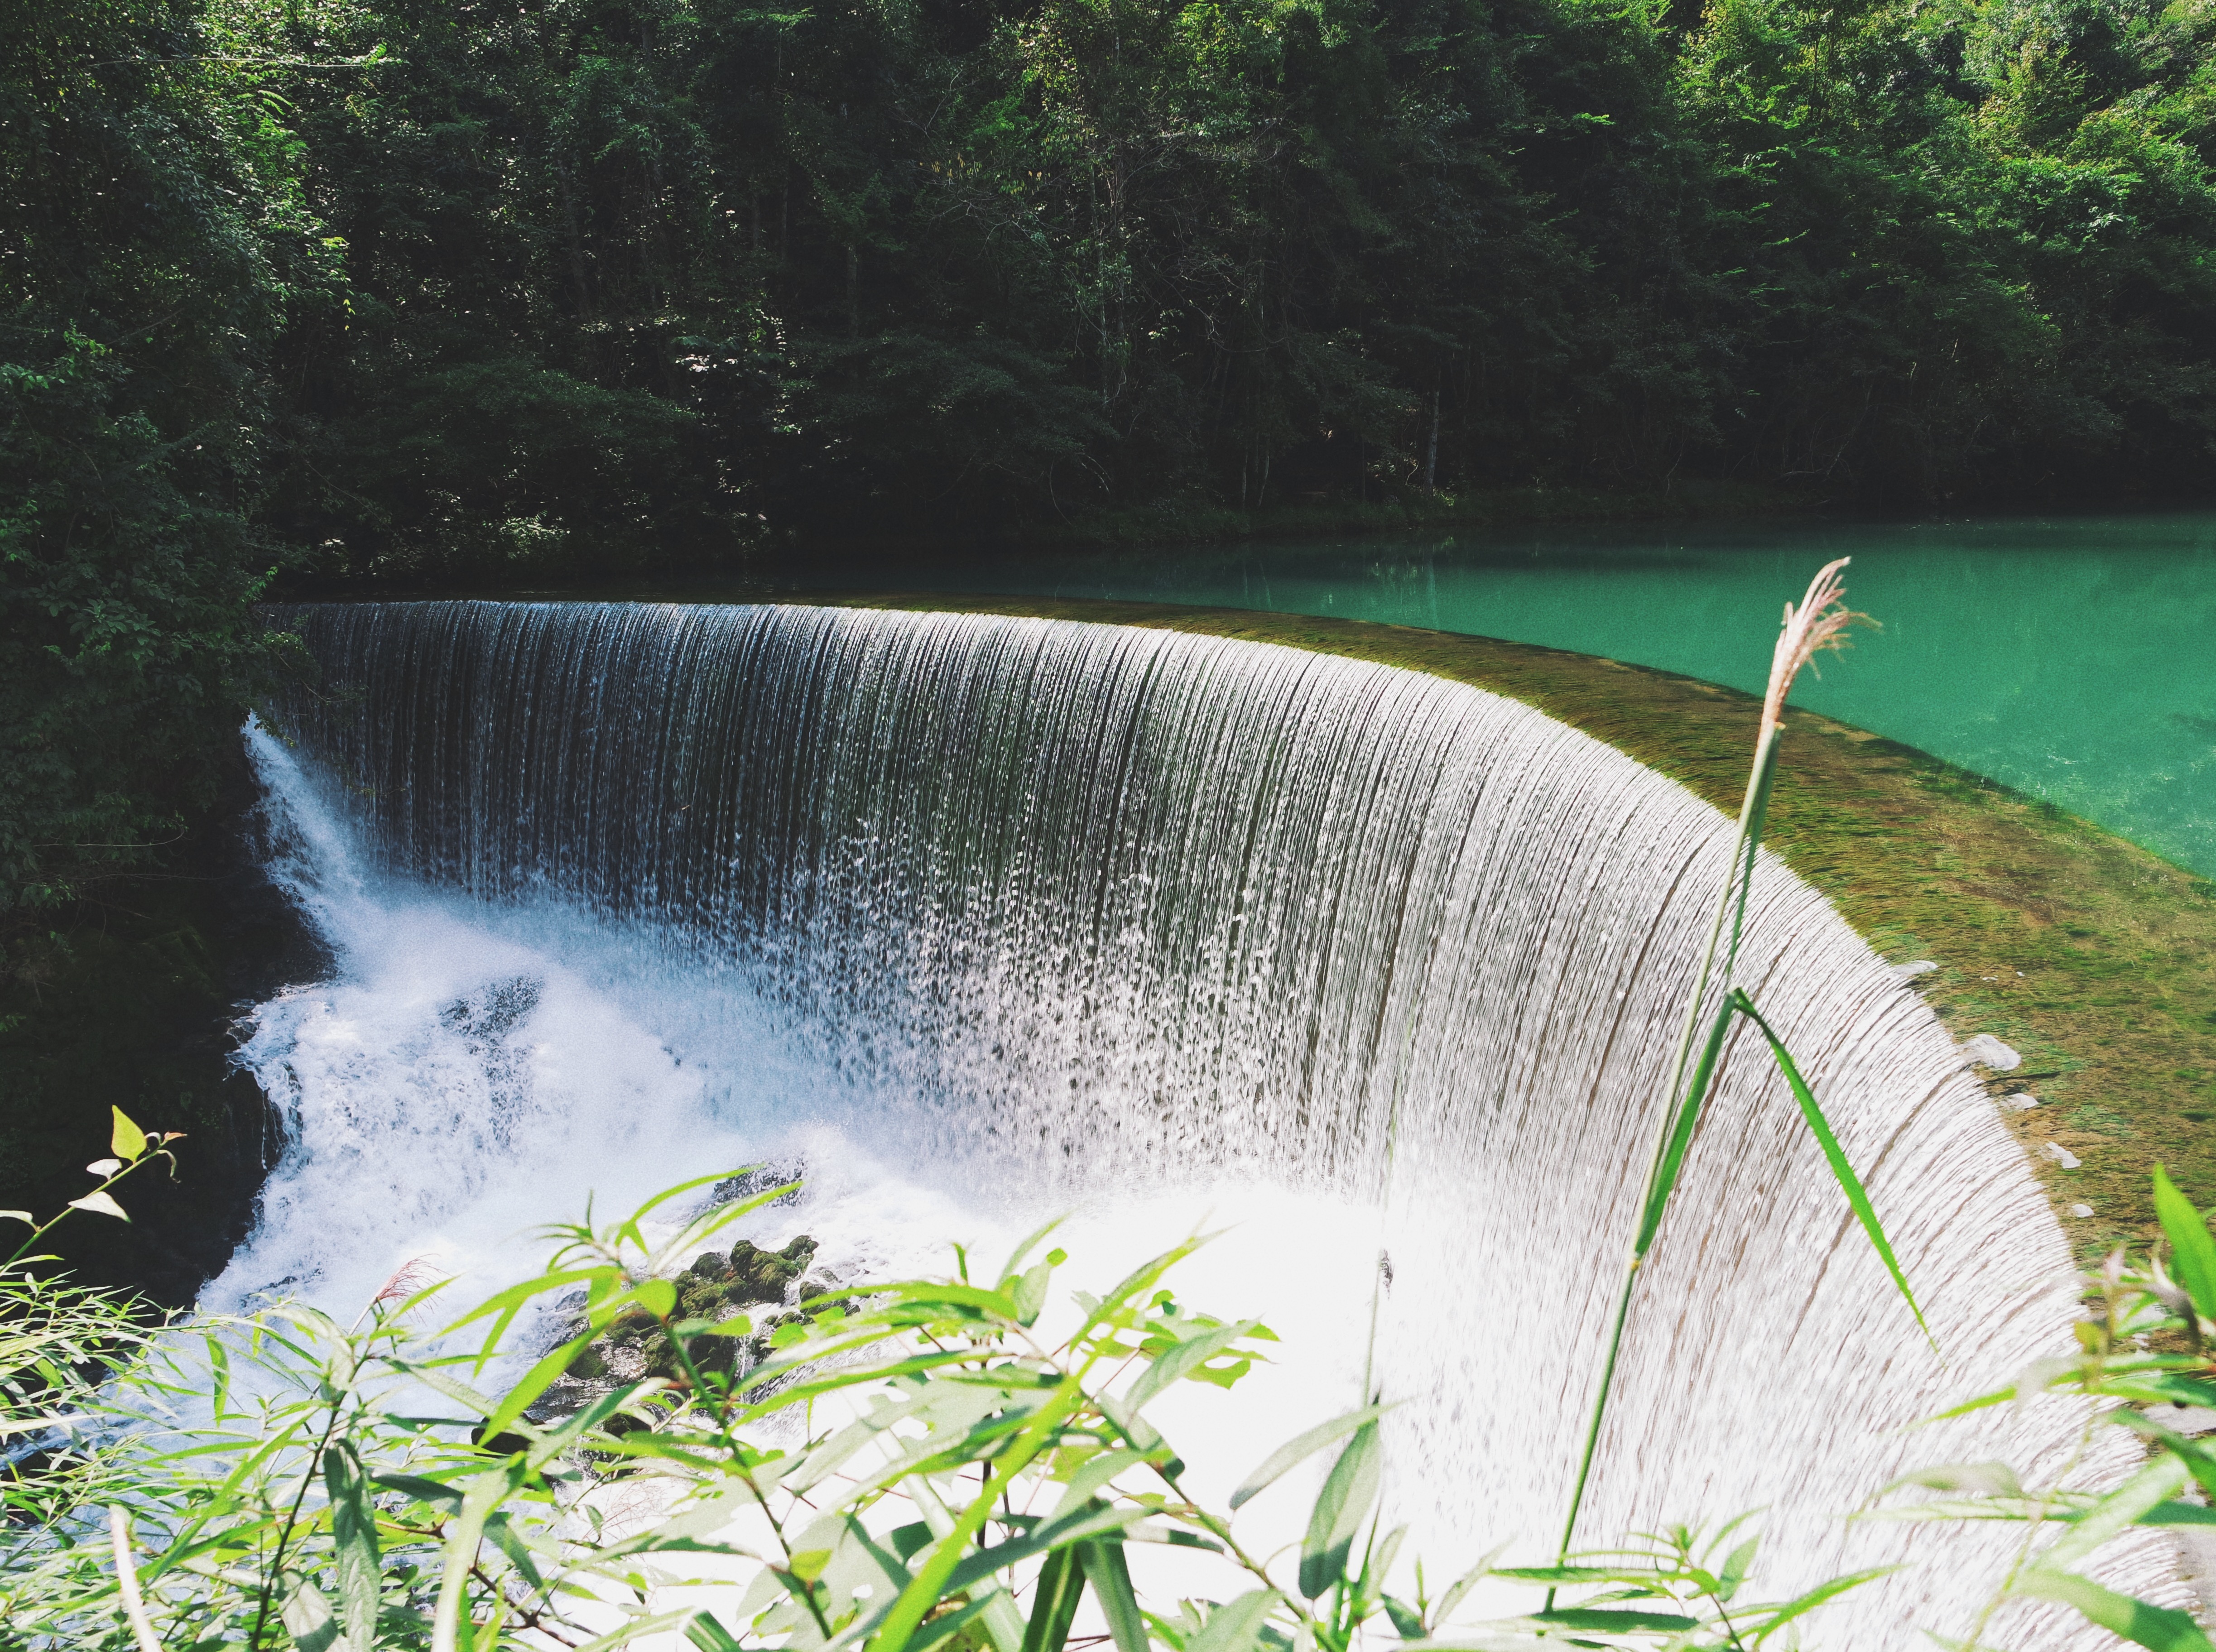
(2091, 957)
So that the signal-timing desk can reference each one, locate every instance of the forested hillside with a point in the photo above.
(439, 289)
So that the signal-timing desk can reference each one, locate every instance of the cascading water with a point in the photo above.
(1044, 913)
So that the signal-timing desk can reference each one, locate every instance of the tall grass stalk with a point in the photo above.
(1820, 621)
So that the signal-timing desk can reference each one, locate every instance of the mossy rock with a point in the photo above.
(759, 1275)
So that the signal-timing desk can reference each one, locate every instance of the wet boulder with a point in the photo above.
(759, 1275)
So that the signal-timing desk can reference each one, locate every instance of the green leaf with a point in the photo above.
(1989, 1479)
(1096, 1473)
(709, 1636)
(657, 1296)
(1785, 1612)
(2192, 1248)
(1619, 1622)
(1180, 1360)
(1340, 1507)
(1735, 1570)
(354, 1535)
(1841, 1171)
(1237, 1625)
(423, 1491)
(1680, 1139)
(938, 1630)
(100, 1204)
(1085, 1524)
(2158, 1628)
(1106, 1569)
(127, 1140)
(307, 1616)
(1054, 1602)
(534, 1383)
(2152, 1485)
(1407, 1622)
(1031, 1291)
(1299, 1449)
(2176, 1514)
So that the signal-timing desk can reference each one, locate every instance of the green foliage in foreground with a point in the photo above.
(956, 1464)
(938, 1468)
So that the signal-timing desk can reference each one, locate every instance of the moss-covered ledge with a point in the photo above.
(2093, 958)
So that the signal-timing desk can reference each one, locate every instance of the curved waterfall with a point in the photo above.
(1099, 908)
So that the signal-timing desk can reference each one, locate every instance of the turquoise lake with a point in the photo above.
(2072, 659)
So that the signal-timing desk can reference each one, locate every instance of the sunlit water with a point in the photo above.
(2074, 660)
(987, 918)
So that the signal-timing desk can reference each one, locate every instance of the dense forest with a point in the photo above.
(439, 289)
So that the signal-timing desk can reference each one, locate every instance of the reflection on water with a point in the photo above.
(2073, 660)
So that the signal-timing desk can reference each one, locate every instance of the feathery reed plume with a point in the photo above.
(1820, 621)
(412, 1277)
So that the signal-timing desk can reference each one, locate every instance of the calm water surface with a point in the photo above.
(2074, 658)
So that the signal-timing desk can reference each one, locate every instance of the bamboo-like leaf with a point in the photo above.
(1299, 1449)
(1735, 1570)
(1182, 1359)
(1110, 1575)
(101, 1203)
(1671, 1162)
(1237, 1625)
(353, 1534)
(1096, 1473)
(1085, 1525)
(127, 1140)
(1610, 1621)
(2194, 1456)
(1340, 1507)
(307, 1616)
(704, 1632)
(2192, 1250)
(432, 1492)
(1447, 1603)
(534, 1383)
(1990, 1479)
(2143, 1624)
(483, 1495)
(1785, 1610)
(1054, 1602)
(1841, 1171)
(932, 1581)
(2156, 1482)
(940, 1630)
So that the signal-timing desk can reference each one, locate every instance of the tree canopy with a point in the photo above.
(442, 288)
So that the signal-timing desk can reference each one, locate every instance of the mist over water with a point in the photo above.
(985, 919)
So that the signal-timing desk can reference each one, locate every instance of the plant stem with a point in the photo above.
(126, 1579)
(1731, 911)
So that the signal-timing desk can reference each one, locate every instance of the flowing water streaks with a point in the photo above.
(1114, 908)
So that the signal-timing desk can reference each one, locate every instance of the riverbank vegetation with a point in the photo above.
(926, 1463)
(373, 293)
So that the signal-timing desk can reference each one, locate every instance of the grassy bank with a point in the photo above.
(2093, 958)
